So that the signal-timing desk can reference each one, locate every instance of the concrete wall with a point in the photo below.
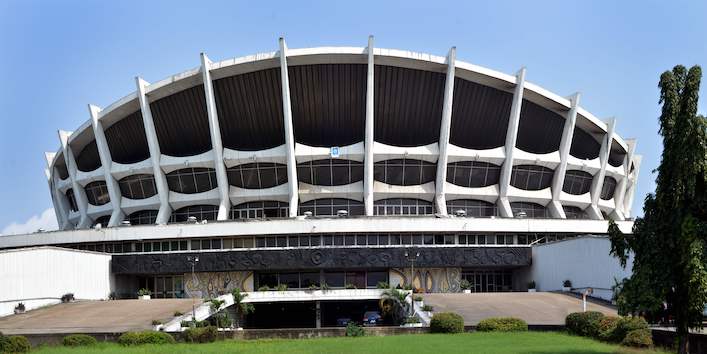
(584, 260)
(40, 276)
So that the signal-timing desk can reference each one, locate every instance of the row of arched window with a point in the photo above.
(333, 172)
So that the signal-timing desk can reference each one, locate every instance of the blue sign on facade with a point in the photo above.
(334, 151)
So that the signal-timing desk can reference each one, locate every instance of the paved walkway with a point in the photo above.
(535, 308)
(95, 316)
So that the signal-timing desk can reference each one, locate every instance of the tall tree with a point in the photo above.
(669, 241)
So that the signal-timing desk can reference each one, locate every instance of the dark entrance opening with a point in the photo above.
(282, 315)
(334, 312)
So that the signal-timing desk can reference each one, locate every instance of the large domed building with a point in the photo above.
(335, 165)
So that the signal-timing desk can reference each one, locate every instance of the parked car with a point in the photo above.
(371, 318)
(343, 321)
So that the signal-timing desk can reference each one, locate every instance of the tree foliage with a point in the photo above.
(242, 308)
(668, 242)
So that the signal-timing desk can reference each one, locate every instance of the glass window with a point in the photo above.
(138, 186)
(282, 241)
(404, 172)
(97, 193)
(309, 279)
(330, 207)
(607, 189)
(290, 279)
(143, 217)
(200, 212)
(577, 182)
(192, 180)
(271, 241)
(449, 239)
(473, 208)
(402, 206)
(573, 212)
(530, 210)
(531, 177)
(267, 279)
(72, 200)
(330, 172)
(260, 209)
(334, 279)
(350, 240)
(373, 278)
(257, 175)
(473, 174)
(357, 279)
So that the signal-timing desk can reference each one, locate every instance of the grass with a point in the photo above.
(525, 342)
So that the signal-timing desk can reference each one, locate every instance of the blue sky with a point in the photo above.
(56, 57)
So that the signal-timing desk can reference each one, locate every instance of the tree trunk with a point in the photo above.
(683, 341)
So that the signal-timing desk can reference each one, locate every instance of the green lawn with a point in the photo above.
(528, 342)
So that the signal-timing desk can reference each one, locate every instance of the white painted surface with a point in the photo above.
(40, 276)
(584, 260)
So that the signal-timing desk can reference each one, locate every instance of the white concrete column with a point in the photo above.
(598, 182)
(445, 126)
(61, 209)
(106, 161)
(79, 192)
(370, 132)
(153, 144)
(289, 131)
(504, 206)
(224, 207)
(631, 190)
(565, 145)
(620, 193)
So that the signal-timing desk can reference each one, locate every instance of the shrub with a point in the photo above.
(281, 287)
(639, 338)
(264, 288)
(567, 283)
(349, 286)
(417, 298)
(20, 307)
(626, 325)
(584, 323)
(156, 322)
(428, 308)
(143, 292)
(447, 322)
(313, 287)
(502, 324)
(67, 297)
(531, 284)
(200, 334)
(14, 344)
(78, 340)
(325, 286)
(354, 330)
(177, 314)
(146, 337)
(465, 284)
(382, 285)
(607, 325)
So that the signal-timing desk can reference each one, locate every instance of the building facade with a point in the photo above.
(334, 167)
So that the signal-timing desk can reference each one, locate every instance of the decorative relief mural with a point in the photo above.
(431, 280)
(213, 284)
(322, 258)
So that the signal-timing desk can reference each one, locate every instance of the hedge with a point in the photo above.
(626, 325)
(502, 324)
(78, 340)
(14, 344)
(584, 323)
(607, 326)
(639, 338)
(146, 337)
(201, 334)
(447, 322)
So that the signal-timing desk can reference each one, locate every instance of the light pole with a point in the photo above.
(193, 260)
(412, 258)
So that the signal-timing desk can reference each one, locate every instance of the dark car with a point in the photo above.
(343, 321)
(371, 318)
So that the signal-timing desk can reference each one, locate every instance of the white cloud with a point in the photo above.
(46, 220)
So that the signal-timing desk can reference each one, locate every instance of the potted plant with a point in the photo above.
(281, 287)
(567, 285)
(418, 299)
(411, 321)
(144, 294)
(20, 308)
(349, 286)
(427, 309)
(68, 297)
(465, 285)
(531, 286)
(324, 286)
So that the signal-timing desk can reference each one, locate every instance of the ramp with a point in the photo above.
(95, 316)
(538, 309)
